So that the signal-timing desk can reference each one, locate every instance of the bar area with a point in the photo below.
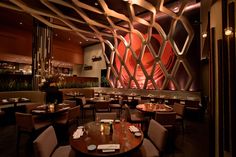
(117, 78)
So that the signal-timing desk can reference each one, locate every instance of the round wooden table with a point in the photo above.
(94, 136)
(150, 108)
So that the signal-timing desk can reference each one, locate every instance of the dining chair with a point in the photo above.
(154, 144)
(106, 115)
(166, 119)
(102, 106)
(135, 117)
(179, 109)
(116, 105)
(46, 145)
(85, 106)
(70, 117)
(25, 123)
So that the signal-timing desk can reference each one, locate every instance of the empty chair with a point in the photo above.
(154, 145)
(106, 115)
(25, 123)
(46, 145)
(116, 105)
(136, 117)
(179, 109)
(70, 117)
(84, 106)
(167, 119)
(102, 106)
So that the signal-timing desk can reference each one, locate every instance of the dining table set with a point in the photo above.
(106, 137)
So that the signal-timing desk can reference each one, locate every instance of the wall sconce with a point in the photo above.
(204, 34)
(96, 58)
(228, 31)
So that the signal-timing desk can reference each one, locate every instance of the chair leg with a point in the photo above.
(18, 142)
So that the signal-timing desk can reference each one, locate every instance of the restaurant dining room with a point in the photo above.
(122, 78)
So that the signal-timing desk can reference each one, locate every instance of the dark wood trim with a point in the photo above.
(232, 77)
(222, 77)
(212, 94)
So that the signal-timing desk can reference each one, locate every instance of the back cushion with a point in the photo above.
(45, 143)
(157, 134)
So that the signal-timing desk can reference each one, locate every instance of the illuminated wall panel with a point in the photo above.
(145, 44)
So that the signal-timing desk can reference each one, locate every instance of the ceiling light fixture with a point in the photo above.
(228, 31)
(204, 34)
(96, 3)
(21, 23)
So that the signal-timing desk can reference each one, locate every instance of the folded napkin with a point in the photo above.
(106, 120)
(79, 132)
(64, 108)
(24, 99)
(38, 111)
(133, 128)
(4, 100)
(108, 146)
(168, 107)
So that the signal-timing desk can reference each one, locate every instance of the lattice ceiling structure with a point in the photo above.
(138, 51)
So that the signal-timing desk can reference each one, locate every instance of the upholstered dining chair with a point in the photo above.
(25, 123)
(116, 105)
(106, 115)
(70, 117)
(154, 145)
(179, 109)
(46, 145)
(85, 106)
(166, 119)
(135, 117)
(102, 106)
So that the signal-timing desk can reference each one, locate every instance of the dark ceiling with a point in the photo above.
(79, 21)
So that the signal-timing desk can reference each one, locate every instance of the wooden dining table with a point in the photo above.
(93, 135)
(14, 101)
(50, 109)
(150, 109)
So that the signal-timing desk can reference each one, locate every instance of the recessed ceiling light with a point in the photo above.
(80, 42)
(21, 23)
(95, 3)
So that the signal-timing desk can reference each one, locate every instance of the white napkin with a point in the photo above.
(4, 100)
(133, 128)
(106, 120)
(108, 146)
(167, 106)
(38, 111)
(79, 132)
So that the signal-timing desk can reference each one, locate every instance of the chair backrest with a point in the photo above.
(106, 115)
(127, 114)
(157, 134)
(83, 100)
(101, 106)
(45, 143)
(179, 109)
(24, 121)
(73, 113)
(166, 118)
